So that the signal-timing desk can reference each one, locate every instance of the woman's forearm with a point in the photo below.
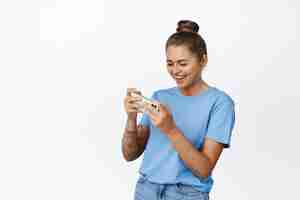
(195, 160)
(130, 148)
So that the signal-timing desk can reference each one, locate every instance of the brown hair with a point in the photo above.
(187, 35)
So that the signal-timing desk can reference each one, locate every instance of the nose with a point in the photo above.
(176, 69)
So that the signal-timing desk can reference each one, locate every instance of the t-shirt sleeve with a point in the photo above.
(145, 121)
(221, 121)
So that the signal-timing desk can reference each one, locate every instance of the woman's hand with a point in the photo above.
(130, 103)
(162, 119)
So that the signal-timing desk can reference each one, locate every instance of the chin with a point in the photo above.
(181, 86)
(184, 84)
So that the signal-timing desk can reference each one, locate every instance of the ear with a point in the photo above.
(204, 60)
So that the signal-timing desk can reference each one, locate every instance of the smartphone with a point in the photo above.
(145, 102)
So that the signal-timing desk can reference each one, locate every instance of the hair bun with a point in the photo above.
(187, 26)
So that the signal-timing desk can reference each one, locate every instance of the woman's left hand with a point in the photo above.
(162, 119)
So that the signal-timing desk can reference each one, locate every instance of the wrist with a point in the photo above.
(171, 132)
(132, 116)
(131, 124)
(130, 131)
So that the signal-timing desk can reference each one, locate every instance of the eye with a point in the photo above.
(169, 64)
(183, 64)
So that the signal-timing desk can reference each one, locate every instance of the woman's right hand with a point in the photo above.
(131, 103)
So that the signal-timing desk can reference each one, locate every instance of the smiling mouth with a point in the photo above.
(180, 78)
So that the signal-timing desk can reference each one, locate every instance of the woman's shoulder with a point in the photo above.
(221, 96)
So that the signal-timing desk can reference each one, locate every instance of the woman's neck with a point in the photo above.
(195, 88)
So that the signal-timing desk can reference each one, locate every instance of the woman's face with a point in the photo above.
(183, 66)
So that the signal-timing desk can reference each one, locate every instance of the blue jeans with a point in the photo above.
(146, 190)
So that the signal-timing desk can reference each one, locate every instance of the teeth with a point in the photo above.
(180, 77)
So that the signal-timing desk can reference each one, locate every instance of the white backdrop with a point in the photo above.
(65, 66)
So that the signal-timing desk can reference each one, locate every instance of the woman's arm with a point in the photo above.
(134, 140)
(200, 162)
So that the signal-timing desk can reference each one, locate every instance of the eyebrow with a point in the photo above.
(180, 60)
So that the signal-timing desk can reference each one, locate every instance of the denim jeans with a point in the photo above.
(146, 190)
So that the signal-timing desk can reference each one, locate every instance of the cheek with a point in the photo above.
(169, 70)
(188, 70)
(195, 70)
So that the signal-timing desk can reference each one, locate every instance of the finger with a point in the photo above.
(150, 114)
(136, 92)
(141, 109)
(133, 106)
(136, 104)
(133, 99)
(167, 107)
(153, 118)
(130, 90)
(132, 110)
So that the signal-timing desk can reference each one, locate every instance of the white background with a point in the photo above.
(65, 66)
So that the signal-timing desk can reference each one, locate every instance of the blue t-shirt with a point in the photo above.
(208, 114)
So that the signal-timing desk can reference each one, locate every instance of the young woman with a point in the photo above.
(184, 140)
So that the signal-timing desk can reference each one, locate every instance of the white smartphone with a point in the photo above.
(145, 102)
